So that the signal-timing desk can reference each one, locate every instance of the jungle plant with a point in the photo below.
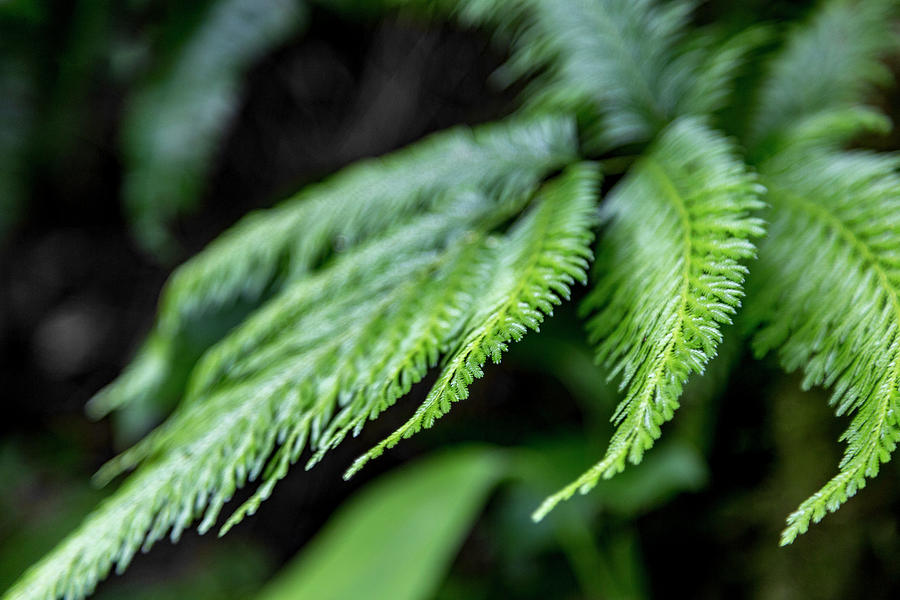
(328, 307)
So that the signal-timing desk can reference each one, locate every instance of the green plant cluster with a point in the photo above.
(440, 255)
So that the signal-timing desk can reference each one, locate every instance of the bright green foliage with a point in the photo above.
(824, 291)
(613, 55)
(332, 351)
(619, 64)
(268, 250)
(670, 277)
(841, 324)
(531, 269)
(305, 321)
(417, 516)
(176, 120)
(829, 63)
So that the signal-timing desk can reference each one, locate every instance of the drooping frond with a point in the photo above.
(268, 250)
(311, 313)
(809, 104)
(177, 118)
(828, 63)
(826, 296)
(670, 276)
(531, 269)
(332, 351)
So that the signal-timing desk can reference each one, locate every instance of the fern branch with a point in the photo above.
(532, 269)
(828, 63)
(841, 324)
(303, 373)
(189, 470)
(308, 315)
(670, 277)
(620, 65)
(268, 250)
(821, 321)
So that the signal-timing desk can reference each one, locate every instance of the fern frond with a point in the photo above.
(531, 270)
(826, 295)
(831, 128)
(268, 250)
(276, 409)
(830, 62)
(670, 277)
(613, 55)
(303, 372)
(810, 104)
(308, 315)
(619, 64)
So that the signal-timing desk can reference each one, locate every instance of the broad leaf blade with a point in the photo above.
(396, 538)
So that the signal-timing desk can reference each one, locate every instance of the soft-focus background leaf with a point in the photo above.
(398, 535)
(177, 118)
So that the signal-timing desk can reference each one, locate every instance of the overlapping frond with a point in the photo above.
(830, 128)
(614, 56)
(826, 296)
(714, 61)
(332, 351)
(828, 63)
(670, 276)
(268, 250)
(531, 270)
(619, 64)
(334, 304)
(821, 291)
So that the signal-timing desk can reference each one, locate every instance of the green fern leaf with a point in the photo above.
(268, 250)
(531, 270)
(840, 323)
(670, 276)
(303, 372)
(809, 106)
(830, 62)
(831, 128)
(614, 55)
(620, 65)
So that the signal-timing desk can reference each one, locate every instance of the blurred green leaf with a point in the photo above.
(677, 467)
(176, 119)
(397, 537)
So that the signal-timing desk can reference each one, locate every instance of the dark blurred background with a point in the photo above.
(79, 283)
